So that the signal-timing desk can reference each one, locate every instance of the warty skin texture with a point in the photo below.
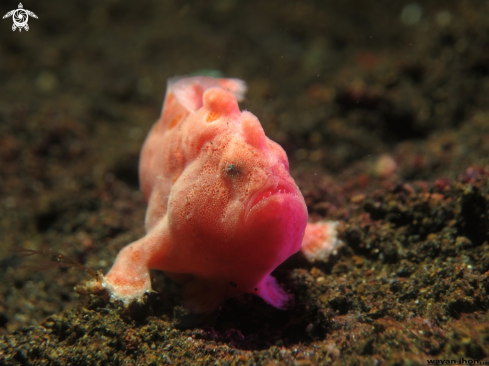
(223, 210)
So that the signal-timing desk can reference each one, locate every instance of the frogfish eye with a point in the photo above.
(231, 170)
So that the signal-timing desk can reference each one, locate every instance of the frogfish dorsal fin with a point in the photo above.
(189, 91)
(185, 96)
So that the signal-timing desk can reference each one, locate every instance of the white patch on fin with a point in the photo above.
(320, 240)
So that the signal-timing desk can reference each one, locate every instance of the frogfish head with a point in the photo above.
(236, 196)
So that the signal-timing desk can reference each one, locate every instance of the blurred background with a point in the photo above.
(361, 94)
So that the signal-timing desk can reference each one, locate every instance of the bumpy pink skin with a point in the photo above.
(223, 210)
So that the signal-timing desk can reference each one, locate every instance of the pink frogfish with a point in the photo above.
(223, 211)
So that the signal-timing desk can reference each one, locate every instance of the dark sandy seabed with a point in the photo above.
(385, 121)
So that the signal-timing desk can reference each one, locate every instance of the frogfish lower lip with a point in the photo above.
(280, 189)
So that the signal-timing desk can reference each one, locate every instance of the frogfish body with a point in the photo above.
(223, 210)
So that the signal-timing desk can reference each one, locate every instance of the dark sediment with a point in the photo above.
(386, 127)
